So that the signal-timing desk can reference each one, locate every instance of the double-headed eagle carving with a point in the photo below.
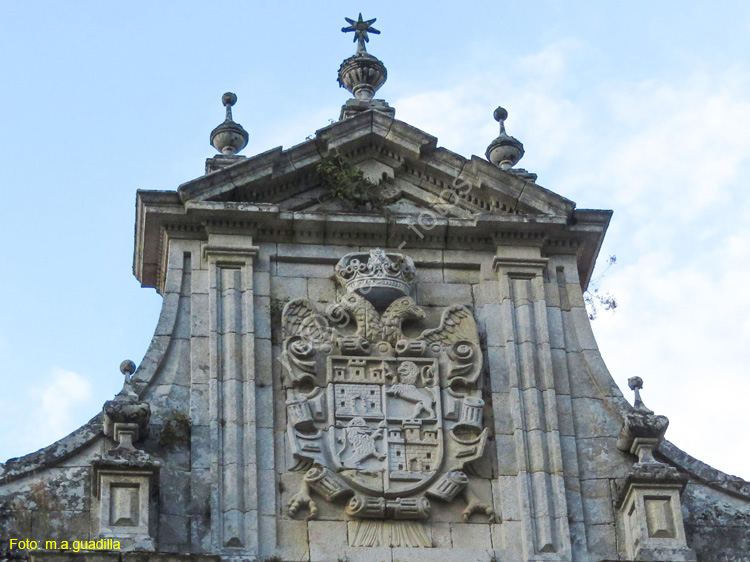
(300, 318)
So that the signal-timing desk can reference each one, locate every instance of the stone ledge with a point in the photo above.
(712, 477)
(110, 556)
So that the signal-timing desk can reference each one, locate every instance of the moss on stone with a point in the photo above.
(176, 430)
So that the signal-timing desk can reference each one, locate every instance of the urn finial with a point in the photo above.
(229, 137)
(505, 151)
(362, 74)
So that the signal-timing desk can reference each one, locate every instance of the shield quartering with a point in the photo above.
(387, 417)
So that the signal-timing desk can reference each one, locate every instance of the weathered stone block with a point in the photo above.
(261, 283)
(433, 555)
(504, 492)
(597, 502)
(471, 535)
(498, 369)
(263, 362)
(594, 419)
(599, 455)
(267, 492)
(602, 541)
(316, 270)
(265, 406)
(439, 294)
(469, 276)
(441, 535)
(321, 290)
(292, 542)
(265, 438)
(507, 465)
(262, 316)
(328, 540)
(288, 288)
(174, 531)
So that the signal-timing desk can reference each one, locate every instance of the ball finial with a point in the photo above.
(229, 99)
(127, 367)
(500, 114)
(635, 383)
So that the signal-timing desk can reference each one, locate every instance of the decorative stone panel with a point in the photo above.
(653, 524)
(122, 506)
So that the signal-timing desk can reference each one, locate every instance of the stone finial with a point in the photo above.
(127, 368)
(505, 151)
(229, 137)
(126, 417)
(636, 385)
(362, 74)
(643, 430)
(649, 497)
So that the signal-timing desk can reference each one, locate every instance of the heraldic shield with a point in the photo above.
(377, 419)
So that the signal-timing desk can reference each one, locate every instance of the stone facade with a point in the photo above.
(417, 381)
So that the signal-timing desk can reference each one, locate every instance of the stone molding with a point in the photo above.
(265, 222)
(103, 556)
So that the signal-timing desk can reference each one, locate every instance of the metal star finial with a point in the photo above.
(361, 28)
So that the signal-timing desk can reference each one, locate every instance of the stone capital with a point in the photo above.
(234, 248)
(519, 261)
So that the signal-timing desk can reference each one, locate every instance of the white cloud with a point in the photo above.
(57, 405)
(670, 158)
(59, 398)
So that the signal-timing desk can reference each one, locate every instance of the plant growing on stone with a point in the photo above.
(176, 430)
(597, 300)
(349, 184)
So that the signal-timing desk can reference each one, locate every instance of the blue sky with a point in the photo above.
(640, 107)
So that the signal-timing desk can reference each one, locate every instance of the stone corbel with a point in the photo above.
(649, 499)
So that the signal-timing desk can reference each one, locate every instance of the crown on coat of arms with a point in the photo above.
(378, 276)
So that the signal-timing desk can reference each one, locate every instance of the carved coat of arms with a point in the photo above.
(379, 420)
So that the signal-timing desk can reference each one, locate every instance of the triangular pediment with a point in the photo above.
(405, 161)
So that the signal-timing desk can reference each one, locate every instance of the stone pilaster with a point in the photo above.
(232, 428)
(525, 351)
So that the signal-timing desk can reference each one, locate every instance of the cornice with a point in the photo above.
(161, 219)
